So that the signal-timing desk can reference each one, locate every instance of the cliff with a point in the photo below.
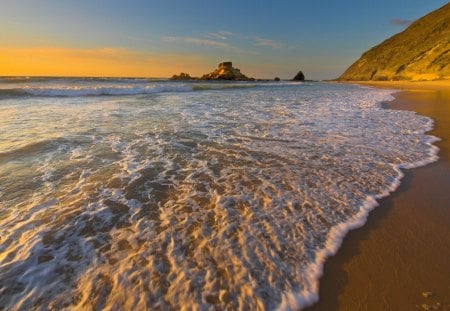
(420, 52)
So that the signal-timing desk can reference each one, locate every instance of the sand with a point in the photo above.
(403, 251)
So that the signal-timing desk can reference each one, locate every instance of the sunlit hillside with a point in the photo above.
(421, 52)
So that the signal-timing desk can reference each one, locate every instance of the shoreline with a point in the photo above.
(401, 251)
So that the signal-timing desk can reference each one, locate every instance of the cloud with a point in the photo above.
(196, 41)
(267, 42)
(202, 41)
(401, 22)
(220, 35)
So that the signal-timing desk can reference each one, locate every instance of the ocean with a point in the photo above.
(152, 194)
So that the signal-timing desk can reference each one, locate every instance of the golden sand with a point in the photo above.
(400, 259)
(437, 85)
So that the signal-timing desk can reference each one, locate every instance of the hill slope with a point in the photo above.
(420, 52)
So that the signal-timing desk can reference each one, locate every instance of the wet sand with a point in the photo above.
(403, 250)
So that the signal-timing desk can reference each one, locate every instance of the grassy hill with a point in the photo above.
(420, 52)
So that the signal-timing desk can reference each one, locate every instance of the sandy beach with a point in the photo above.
(399, 260)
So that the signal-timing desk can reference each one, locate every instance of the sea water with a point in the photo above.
(145, 194)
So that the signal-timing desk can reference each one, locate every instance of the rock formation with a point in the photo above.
(420, 52)
(182, 76)
(226, 71)
(299, 76)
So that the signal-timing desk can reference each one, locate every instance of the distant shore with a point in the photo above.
(399, 259)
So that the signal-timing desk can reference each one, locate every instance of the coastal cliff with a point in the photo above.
(420, 52)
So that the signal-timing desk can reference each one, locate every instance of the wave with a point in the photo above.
(127, 89)
(248, 200)
(29, 149)
(12, 93)
(24, 79)
(299, 300)
(77, 91)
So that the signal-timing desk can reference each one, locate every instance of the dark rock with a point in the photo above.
(276, 79)
(226, 71)
(182, 76)
(226, 65)
(299, 76)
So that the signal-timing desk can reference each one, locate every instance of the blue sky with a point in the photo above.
(263, 38)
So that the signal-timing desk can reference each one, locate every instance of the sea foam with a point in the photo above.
(109, 87)
(231, 197)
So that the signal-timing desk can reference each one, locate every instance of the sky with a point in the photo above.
(150, 38)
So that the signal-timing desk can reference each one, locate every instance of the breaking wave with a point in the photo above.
(59, 88)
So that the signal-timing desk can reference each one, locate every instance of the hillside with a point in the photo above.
(420, 52)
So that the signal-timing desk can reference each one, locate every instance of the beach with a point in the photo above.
(399, 259)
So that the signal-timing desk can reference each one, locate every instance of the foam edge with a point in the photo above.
(305, 298)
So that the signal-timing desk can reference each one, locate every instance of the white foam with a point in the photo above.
(67, 91)
(303, 299)
(250, 189)
(119, 87)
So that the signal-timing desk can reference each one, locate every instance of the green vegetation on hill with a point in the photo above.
(420, 52)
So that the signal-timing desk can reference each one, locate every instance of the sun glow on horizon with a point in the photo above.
(111, 62)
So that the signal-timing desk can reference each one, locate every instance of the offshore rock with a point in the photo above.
(299, 76)
(226, 71)
(182, 76)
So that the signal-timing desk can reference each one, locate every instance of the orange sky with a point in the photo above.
(162, 38)
(117, 62)
(51, 61)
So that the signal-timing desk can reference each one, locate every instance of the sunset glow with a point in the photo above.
(111, 38)
(111, 62)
